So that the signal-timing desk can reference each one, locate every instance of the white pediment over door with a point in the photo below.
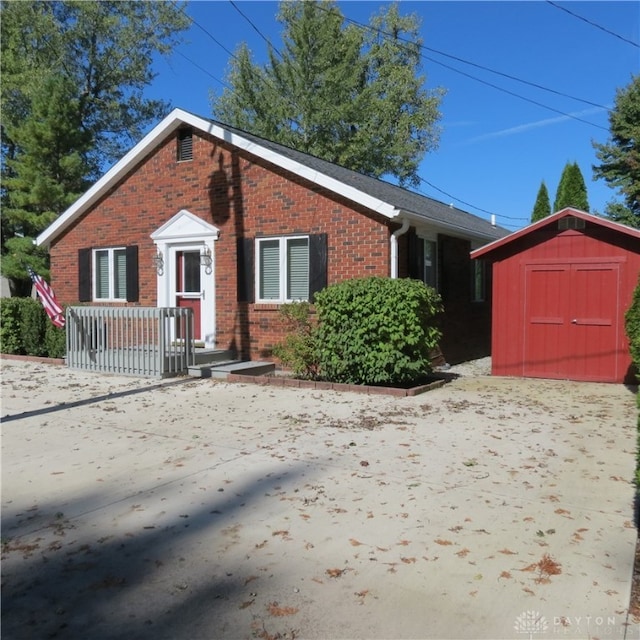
(184, 226)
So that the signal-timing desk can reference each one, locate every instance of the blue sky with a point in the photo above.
(495, 147)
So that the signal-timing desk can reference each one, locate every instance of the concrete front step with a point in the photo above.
(211, 356)
(222, 369)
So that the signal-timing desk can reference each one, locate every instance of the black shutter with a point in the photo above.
(416, 255)
(133, 286)
(244, 247)
(84, 275)
(317, 263)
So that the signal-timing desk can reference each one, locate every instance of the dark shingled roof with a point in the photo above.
(431, 211)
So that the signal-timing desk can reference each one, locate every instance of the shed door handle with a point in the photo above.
(574, 321)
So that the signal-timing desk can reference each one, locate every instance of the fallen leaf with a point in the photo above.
(334, 573)
(354, 542)
(444, 543)
(276, 610)
(462, 553)
(507, 552)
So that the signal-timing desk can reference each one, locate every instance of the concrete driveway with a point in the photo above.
(194, 509)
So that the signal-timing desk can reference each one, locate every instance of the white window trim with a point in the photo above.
(433, 239)
(482, 266)
(94, 270)
(282, 250)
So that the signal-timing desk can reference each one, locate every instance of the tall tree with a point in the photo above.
(72, 100)
(352, 96)
(572, 190)
(620, 156)
(542, 207)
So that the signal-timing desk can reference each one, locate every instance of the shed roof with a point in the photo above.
(487, 250)
(377, 195)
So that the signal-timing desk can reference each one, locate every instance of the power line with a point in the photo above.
(485, 82)
(233, 4)
(473, 64)
(594, 24)
(468, 204)
(195, 64)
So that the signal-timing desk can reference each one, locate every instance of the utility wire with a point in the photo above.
(195, 64)
(485, 82)
(470, 63)
(235, 6)
(593, 24)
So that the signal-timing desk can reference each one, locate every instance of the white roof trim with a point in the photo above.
(175, 120)
(185, 225)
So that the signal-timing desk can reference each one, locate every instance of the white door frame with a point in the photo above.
(186, 232)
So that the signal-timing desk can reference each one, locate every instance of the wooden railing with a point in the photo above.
(152, 342)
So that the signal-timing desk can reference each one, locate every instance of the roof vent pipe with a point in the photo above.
(394, 246)
(493, 219)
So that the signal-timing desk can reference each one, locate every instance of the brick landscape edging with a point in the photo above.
(13, 356)
(279, 381)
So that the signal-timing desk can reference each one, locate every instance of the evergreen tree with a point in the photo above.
(572, 191)
(73, 75)
(542, 207)
(350, 96)
(620, 157)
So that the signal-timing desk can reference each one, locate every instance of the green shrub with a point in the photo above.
(632, 326)
(10, 334)
(33, 325)
(55, 340)
(377, 331)
(298, 350)
(25, 329)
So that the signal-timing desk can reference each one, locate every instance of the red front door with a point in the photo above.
(188, 286)
(572, 321)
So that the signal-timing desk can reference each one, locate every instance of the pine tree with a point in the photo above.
(351, 96)
(542, 207)
(572, 191)
(620, 157)
(73, 75)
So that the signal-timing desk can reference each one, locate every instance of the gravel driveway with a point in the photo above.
(196, 509)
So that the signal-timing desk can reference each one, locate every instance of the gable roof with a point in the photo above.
(377, 195)
(482, 252)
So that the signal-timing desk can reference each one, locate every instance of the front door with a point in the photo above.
(572, 321)
(189, 291)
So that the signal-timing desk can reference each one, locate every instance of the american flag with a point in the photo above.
(48, 298)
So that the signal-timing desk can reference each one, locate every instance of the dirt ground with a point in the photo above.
(195, 509)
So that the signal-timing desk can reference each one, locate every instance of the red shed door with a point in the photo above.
(571, 321)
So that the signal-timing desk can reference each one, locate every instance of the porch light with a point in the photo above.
(158, 263)
(206, 261)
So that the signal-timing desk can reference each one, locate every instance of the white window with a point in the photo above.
(479, 281)
(282, 269)
(430, 275)
(110, 274)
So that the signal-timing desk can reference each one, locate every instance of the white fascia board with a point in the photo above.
(173, 121)
(419, 220)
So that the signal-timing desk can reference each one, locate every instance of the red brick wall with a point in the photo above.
(241, 195)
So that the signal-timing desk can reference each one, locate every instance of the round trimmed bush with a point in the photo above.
(376, 331)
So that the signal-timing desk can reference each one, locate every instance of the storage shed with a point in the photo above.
(561, 287)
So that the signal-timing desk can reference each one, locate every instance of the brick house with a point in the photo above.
(203, 215)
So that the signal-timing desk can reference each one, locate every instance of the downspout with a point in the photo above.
(394, 246)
